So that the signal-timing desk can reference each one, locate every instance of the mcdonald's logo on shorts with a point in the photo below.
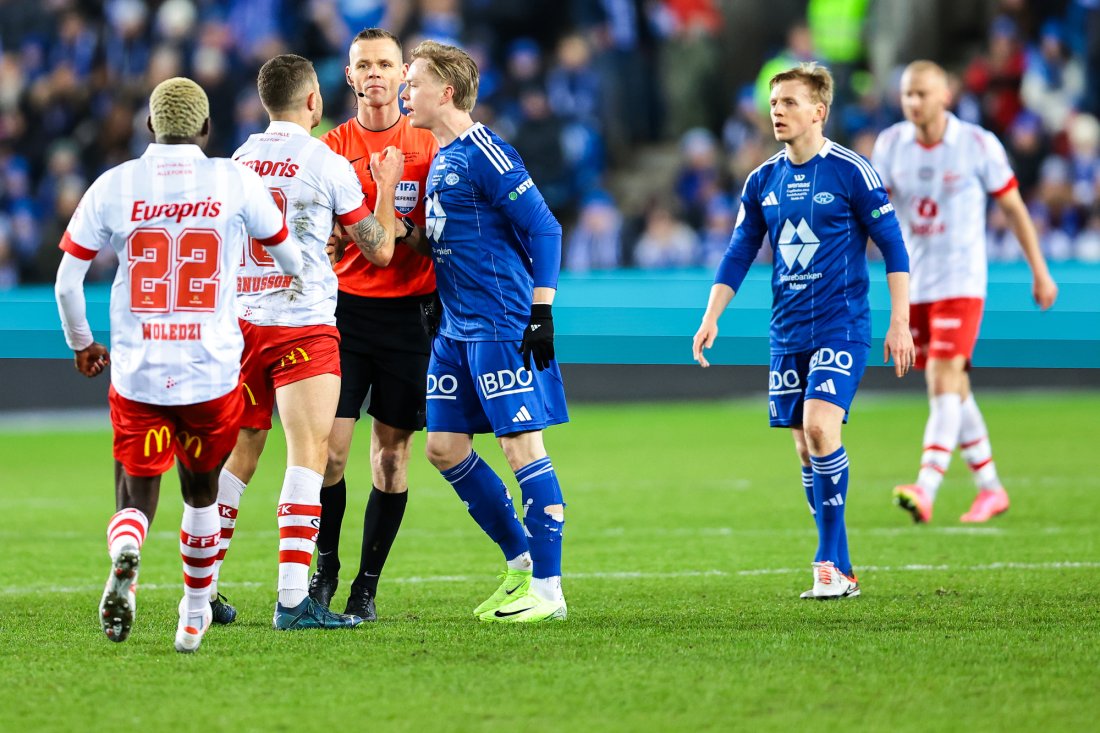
(187, 440)
(162, 436)
(296, 354)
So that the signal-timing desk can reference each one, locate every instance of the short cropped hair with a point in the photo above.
(377, 34)
(454, 67)
(284, 80)
(177, 108)
(816, 77)
(924, 66)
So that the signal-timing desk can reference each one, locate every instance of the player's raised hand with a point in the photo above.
(92, 360)
(899, 344)
(387, 166)
(1044, 290)
(704, 339)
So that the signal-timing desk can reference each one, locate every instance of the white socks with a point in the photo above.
(520, 562)
(974, 441)
(941, 435)
(299, 515)
(548, 589)
(230, 491)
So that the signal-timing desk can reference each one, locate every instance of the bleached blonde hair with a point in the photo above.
(178, 107)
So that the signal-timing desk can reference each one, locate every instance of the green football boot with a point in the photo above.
(516, 583)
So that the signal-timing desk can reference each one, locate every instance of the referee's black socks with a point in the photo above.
(334, 499)
(381, 520)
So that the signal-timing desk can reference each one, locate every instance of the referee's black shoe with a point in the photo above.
(361, 603)
(322, 586)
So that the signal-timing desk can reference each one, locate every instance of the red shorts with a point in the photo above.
(945, 329)
(201, 435)
(275, 356)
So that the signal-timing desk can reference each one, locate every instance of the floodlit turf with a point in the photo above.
(687, 544)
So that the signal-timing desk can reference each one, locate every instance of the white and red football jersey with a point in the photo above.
(179, 223)
(940, 195)
(311, 184)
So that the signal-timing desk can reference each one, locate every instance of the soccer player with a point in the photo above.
(179, 223)
(497, 251)
(383, 346)
(292, 348)
(939, 171)
(817, 202)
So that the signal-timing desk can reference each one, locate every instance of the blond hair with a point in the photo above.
(178, 107)
(454, 67)
(816, 78)
(923, 66)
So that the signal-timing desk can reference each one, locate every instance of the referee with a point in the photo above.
(384, 347)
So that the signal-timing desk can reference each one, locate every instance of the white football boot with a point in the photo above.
(118, 606)
(192, 625)
(831, 584)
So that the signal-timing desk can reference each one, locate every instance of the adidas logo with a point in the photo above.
(770, 200)
(827, 387)
(523, 415)
(837, 500)
(535, 326)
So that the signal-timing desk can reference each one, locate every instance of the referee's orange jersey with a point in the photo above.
(409, 273)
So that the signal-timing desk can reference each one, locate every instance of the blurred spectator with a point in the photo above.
(1084, 159)
(1088, 243)
(1053, 82)
(666, 241)
(689, 63)
(699, 178)
(572, 84)
(596, 241)
(1028, 148)
(539, 141)
(996, 77)
(799, 49)
(717, 229)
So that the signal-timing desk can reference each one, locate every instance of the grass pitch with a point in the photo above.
(687, 544)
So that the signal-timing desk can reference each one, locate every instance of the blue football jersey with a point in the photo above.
(488, 224)
(818, 216)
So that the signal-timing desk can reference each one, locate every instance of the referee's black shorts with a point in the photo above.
(384, 355)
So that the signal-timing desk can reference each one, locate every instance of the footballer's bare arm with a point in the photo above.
(372, 239)
(417, 240)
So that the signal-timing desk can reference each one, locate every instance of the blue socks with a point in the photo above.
(830, 493)
(540, 490)
(808, 486)
(488, 503)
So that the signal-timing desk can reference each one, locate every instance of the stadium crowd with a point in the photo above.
(578, 88)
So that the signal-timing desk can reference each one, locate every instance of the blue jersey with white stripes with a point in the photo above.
(493, 238)
(818, 216)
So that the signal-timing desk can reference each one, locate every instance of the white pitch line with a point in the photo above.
(641, 532)
(615, 575)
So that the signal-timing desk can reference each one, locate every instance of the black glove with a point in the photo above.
(431, 314)
(538, 337)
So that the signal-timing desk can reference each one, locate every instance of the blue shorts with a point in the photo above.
(482, 387)
(830, 373)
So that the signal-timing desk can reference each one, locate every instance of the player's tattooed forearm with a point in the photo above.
(369, 234)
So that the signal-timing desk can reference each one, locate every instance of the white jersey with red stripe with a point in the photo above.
(312, 184)
(940, 195)
(179, 223)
